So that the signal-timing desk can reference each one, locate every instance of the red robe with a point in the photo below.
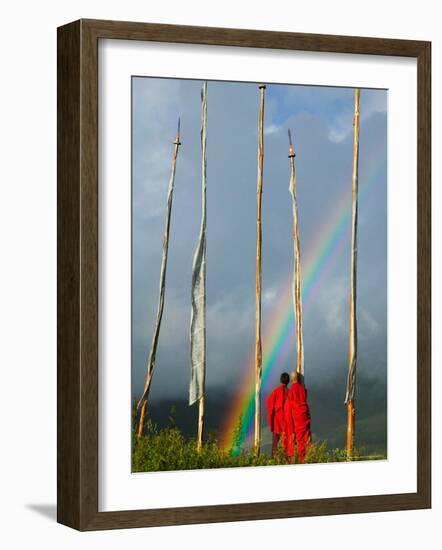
(276, 415)
(298, 420)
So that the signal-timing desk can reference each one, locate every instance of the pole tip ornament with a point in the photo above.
(177, 139)
(357, 101)
(203, 89)
(262, 86)
(291, 150)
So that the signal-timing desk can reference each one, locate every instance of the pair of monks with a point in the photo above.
(289, 416)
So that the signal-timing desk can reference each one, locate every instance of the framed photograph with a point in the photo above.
(244, 269)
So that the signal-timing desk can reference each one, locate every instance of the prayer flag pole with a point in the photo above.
(297, 302)
(198, 316)
(258, 346)
(152, 356)
(352, 349)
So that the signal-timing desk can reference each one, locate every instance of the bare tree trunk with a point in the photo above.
(258, 345)
(297, 298)
(152, 356)
(352, 349)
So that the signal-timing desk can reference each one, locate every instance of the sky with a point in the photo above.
(321, 120)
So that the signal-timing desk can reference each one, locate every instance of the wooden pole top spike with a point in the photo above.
(357, 100)
(177, 139)
(291, 150)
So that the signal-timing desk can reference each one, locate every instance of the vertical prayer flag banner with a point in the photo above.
(353, 334)
(198, 316)
(297, 301)
(352, 350)
(276, 292)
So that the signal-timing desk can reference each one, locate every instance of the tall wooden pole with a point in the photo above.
(202, 401)
(352, 348)
(152, 356)
(198, 322)
(258, 345)
(297, 299)
(201, 412)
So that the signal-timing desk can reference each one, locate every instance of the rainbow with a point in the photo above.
(320, 257)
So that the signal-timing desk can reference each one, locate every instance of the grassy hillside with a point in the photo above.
(327, 409)
(168, 449)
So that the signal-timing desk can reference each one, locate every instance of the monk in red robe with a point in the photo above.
(300, 416)
(276, 411)
(289, 435)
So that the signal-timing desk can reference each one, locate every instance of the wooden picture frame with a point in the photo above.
(77, 224)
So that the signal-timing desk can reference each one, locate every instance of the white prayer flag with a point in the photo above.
(198, 316)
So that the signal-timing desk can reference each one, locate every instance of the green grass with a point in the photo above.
(167, 449)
